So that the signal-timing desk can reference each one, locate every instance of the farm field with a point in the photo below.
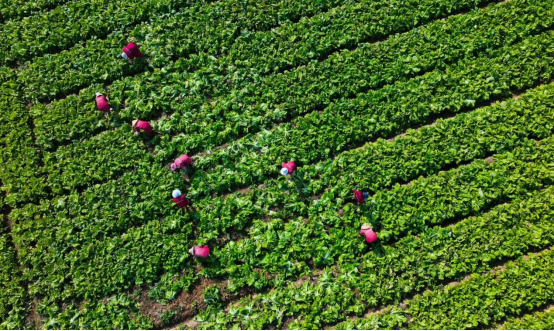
(442, 111)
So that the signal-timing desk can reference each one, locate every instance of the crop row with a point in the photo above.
(522, 286)
(47, 247)
(21, 167)
(119, 312)
(378, 113)
(102, 157)
(479, 301)
(543, 320)
(73, 22)
(15, 9)
(141, 96)
(13, 297)
(389, 274)
(204, 27)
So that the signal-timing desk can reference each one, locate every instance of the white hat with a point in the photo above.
(98, 94)
(176, 194)
(191, 250)
(284, 171)
(123, 55)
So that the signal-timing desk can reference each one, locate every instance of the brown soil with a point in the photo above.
(33, 319)
(183, 304)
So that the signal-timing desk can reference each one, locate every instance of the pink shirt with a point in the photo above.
(102, 103)
(290, 166)
(358, 195)
(132, 51)
(143, 125)
(183, 161)
(370, 236)
(201, 251)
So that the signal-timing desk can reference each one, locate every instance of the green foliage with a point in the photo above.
(118, 312)
(14, 301)
(15, 9)
(248, 84)
(72, 22)
(542, 320)
(486, 299)
(170, 285)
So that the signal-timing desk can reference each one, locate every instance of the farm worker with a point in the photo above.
(180, 199)
(200, 251)
(360, 196)
(131, 51)
(367, 231)
(102, 103)
(182, 162)
(139, 125)
(288, 168)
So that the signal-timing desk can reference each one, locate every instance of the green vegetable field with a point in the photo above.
(442, 111)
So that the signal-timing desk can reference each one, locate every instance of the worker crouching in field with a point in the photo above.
(102, 103)
(359, 196)
(200, 251)
(288, 168)
(139, 125)
(182, 162)
(180, 200)
(367, 231)
(131, 51)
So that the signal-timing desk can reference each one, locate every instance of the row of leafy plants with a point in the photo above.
(17, 9)
(102, 157)
(119, 312)
(65, 227)
(182, 92)
(391, 273)
(21, 172)
(13, 297)
(72, 23)
(522, 286)
(355, 126)
(478, 302)
(541, 320)
(202, 27)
